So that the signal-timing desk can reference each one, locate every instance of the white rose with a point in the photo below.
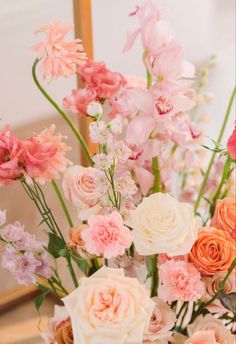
(79, 186)
(109, 308)
(163, 225)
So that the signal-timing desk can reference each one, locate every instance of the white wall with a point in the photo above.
(202, 26)
(20, 101)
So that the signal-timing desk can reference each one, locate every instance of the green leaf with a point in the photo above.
(38, 301)
(43, 287)
(228, 301)
(55, 245)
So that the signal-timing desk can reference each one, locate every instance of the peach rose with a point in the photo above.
(64, 334)
(213, 252)
(225, 216)
(202, 337)
(162, 321)
(79, 187)
(209, 323)
(109, 308)
(163, 225)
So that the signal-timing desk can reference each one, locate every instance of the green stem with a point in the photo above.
(72, 272)
(62, 202)
(157, 176)
(204, 182)
(152, 268)
(215, 296)
(58, 283)
(62, 113)
(220, 186)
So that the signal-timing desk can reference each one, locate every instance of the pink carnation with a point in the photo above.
(10, 149)
(180, 280)
(58, 57)
(107, 235)
(44, 156)
(103, 81)
(78, 101)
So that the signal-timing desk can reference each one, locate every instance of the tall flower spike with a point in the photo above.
(59, 57)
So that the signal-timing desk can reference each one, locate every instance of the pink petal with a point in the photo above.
(131, 37)
(144, 178)
(139, 129)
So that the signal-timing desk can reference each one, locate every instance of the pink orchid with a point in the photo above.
(58, 57)
(154, 31)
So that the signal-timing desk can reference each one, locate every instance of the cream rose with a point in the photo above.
(163, 225)
(79, 186)
(109, 308)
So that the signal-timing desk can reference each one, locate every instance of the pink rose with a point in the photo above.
(180, 280)
(10, 150)
(202, 337)
(109, 308)
(78, 101)
(209, 323)
(231, 145)
(44, 155)
(162, 321)
(107, 235)
(79, 187)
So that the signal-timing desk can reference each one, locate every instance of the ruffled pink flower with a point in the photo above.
(103, 81)
(44, 156)
(231, 145)
(10, 149)
(180, 280)
(78, 100)
(58, 56)
(107, 235)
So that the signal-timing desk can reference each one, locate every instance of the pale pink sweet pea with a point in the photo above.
(78, 101)
(180, 280)
(58, 56)
(231, 145)
(107, 235)
(162, 321)
(10, 154)
(43, 156)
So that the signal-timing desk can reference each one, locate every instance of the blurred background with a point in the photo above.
(204, 27)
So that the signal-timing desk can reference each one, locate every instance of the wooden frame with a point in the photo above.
(83, 30)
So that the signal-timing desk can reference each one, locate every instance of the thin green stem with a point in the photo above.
(152, 268)
(62, 202)
(72, 272)
(157, 175)
(62, 113)
(204, 182)
(59, 284)
(215, 296)
(220, 186)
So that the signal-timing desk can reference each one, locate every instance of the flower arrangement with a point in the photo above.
(151, 253)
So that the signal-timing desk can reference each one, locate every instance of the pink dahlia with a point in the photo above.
(44, 156)
(58, 56)
(10, 149)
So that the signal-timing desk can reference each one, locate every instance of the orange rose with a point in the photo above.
(213, 251)
(63, 333)
(225, 216)
(75, 236)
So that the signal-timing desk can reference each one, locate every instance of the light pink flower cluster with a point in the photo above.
(58, 56)
(24, 257)
(107, 235)
(180, 280)
(41, 157)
